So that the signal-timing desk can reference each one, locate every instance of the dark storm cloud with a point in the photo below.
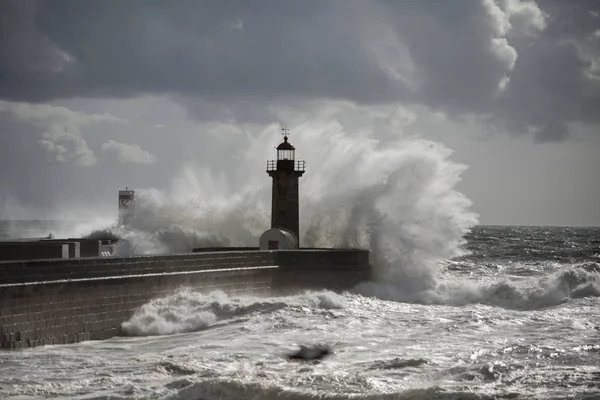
(557, 77)
(545, 58)
(523, 68)
(214, 48)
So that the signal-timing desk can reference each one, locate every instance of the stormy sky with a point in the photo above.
(96, 95)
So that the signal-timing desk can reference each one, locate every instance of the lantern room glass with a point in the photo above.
(285, 154)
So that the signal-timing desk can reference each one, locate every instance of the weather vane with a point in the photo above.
(285, 131)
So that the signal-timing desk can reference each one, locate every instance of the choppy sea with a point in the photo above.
(516, 318)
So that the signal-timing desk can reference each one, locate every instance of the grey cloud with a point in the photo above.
(79, 152)
(530, 67)
(188, 47)
(511, 62)
(61, 129)
(129, 153)
(553, 83)
(30, 182)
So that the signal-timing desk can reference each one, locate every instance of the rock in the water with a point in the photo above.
(307, 353)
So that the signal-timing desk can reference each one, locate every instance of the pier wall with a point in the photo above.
(24, 250)
(87, 247)
(35, 249)
(70, 300)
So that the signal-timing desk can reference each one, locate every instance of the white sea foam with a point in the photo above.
(382, 350)
(570, 282)
(190, 311)
(246, 390)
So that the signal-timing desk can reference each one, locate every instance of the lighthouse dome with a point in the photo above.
(285, 145)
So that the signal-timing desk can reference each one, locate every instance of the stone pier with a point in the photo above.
(59, 301)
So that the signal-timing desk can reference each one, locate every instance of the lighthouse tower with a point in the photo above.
(285, 172)
(126, 205)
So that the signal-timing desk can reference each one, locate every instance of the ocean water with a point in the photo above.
(516, 315)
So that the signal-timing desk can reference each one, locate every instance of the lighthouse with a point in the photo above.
(126, 205)
(285, 214)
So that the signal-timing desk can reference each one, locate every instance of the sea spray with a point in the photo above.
(165, 223)
(395, 198)
(380, 190)
(398, 202)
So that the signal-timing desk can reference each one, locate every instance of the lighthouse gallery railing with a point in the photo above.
(298, 165)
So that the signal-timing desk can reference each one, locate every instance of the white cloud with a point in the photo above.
(129, 153)
(506, 16)
(61, 129)
(525, 16)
